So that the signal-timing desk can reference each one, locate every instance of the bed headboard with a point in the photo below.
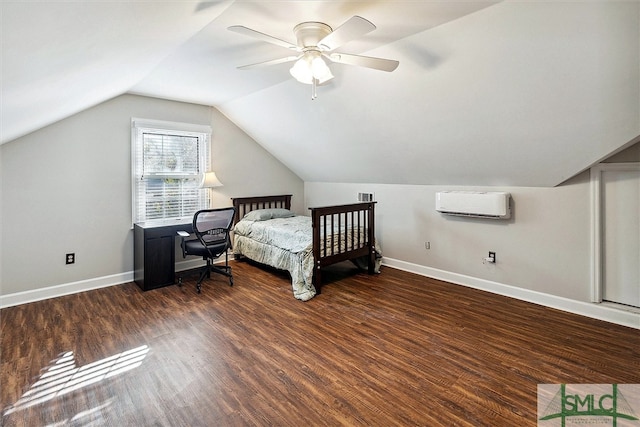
(244, 205)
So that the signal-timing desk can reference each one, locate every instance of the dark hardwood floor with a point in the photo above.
(394, 349)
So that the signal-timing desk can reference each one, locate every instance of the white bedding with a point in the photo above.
(284, 243)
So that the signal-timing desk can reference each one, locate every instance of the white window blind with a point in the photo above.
(168, 161)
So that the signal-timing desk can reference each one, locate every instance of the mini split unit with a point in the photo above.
(475, 204)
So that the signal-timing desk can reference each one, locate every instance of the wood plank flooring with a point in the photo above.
(394, 349)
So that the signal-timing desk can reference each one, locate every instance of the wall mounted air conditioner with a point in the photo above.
(494, 205)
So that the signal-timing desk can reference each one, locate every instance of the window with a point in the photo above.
(168, 161)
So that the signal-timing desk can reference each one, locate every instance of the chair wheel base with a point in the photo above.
(206, 274)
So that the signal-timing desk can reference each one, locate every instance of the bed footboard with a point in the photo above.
(341, 233)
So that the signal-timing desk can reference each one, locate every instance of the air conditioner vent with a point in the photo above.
(365, 197)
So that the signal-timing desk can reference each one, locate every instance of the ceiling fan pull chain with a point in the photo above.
(314, 93)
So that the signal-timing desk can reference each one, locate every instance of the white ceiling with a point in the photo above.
(524, 93)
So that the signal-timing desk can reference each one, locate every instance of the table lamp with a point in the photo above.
(210, 180)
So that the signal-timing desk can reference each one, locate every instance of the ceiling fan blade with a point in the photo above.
(271, 62)
(364, 61)
(261, 36)
(355, 27)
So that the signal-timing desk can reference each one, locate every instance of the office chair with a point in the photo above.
(212, 228)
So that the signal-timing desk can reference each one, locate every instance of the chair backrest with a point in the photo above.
(213, 226)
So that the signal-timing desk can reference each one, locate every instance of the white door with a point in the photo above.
(621, 236)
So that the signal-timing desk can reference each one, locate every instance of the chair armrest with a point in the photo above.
(182, 235)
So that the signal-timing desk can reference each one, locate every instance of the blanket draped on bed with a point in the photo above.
(286, 244)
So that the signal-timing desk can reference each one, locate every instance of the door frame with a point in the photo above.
(597, 231)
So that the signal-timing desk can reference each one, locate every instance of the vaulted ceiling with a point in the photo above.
(512, 93)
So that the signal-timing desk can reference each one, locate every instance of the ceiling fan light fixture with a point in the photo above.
(320, 70)
(301, 71)
(311, 66)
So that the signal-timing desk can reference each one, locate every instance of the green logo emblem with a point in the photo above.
(588, 404)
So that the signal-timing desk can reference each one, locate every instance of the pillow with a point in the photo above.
(265, 214)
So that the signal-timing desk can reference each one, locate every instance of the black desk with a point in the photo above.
(154, 252)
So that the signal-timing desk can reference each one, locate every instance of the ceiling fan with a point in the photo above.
(315, 43)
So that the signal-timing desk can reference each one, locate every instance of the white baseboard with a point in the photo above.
(25, 297)
(604, 312)
(594, 310)
(64, 289)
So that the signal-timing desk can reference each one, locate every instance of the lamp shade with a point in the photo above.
(210, 180)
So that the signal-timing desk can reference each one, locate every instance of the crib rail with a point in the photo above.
(343, 232)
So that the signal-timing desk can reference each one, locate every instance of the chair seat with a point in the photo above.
(194, 247)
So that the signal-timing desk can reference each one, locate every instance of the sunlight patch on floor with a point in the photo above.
(62, 376)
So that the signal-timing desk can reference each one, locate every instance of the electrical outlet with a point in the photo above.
(71, 258)
(492, 255)
(427, 245)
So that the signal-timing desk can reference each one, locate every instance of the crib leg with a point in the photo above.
(317, 279)
(371, 262)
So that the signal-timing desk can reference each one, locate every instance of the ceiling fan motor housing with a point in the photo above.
(309, 34)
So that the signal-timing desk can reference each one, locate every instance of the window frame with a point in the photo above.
(139, 127)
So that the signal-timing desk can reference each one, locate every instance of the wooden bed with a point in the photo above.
(355, 222)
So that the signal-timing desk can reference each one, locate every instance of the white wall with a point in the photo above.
(544, 247)
(1, 210)
(67, 188)
(246, 169)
